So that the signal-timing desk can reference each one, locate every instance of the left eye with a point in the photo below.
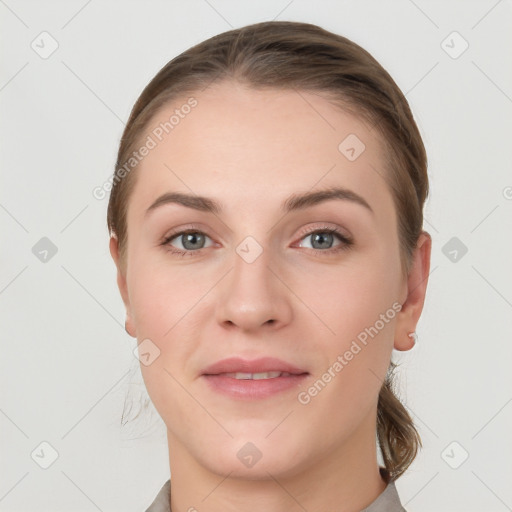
(324, 238)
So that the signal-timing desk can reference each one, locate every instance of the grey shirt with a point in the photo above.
(387, 501)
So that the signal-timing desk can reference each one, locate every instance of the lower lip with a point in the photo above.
(249, 389)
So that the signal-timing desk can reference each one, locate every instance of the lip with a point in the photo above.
(247, 389)
(263, 364)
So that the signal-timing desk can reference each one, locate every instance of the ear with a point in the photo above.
(412, 306)
(121, 283)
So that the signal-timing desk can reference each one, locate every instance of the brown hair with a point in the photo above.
(305, 57)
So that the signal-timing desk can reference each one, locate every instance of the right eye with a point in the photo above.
(191, 241)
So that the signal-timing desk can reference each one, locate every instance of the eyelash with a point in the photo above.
(346, 242)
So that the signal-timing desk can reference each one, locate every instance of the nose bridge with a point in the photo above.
(251, 264)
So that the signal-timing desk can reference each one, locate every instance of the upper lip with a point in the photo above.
(263, 364)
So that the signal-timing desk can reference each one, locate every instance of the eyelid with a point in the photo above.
(187, 228)
(183, 230)
(326, 228)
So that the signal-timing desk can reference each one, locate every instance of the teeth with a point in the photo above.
(256, 376)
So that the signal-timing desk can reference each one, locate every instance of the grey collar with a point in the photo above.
(387, 501)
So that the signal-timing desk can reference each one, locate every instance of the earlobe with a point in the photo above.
(412, 306)
(410, 345)
(129, 325)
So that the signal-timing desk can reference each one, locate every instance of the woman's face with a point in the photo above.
(255, 283)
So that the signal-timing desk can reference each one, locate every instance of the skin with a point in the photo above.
(250, 150)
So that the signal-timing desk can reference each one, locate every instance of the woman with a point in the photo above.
(266, 224)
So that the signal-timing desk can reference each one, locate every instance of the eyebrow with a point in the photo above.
(293, 203)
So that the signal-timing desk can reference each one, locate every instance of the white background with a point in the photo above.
(66, 362)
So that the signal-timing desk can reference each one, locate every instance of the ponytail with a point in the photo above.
(397, 436)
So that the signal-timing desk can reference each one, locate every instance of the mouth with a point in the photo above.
(251, 380)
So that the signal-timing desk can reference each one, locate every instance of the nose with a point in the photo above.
(254, 296)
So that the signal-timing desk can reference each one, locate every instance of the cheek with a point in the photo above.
(166, 301)
(163, 295)
(351, 296)
(163, 301)
(356, 353)
(357, 306)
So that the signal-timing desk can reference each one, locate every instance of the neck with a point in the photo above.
(346, 479)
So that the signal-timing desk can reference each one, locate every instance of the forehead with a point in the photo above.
(250, 147)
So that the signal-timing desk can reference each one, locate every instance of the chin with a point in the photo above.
(253, 457)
